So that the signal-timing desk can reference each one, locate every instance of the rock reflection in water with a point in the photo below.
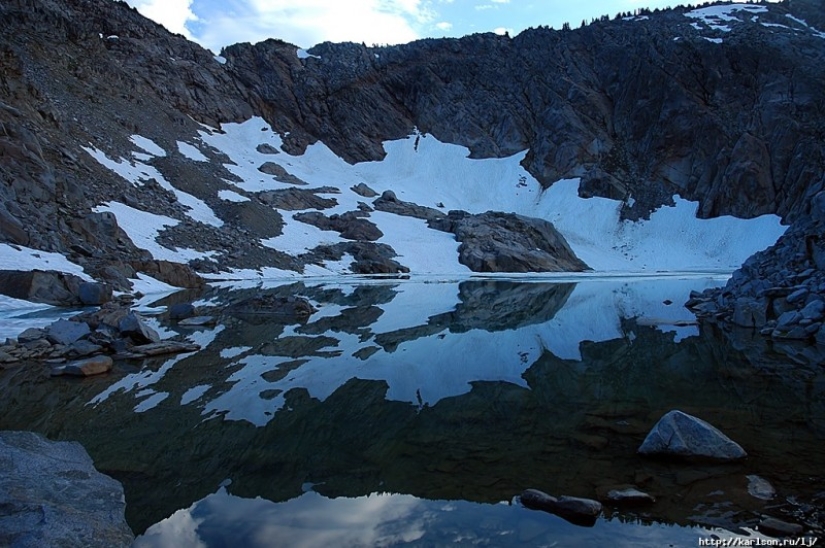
(466, 391)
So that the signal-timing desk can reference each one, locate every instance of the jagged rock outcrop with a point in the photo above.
(390, 203)
(349, 225)
(637, 108)
(368, 257)
(506, 242)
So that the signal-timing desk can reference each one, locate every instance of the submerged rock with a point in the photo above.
(579, 511)
(760, 488)
(86, 367)
(181, 311)
(163, 347)
(778, 528)
(51, 495)
(678, 434)
(627, 496)
(198, 321)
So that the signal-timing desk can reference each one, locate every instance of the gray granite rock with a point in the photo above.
(93, 293)
(678, 434)
(67, 332)
(51, 495)
(30, 334)
(814, 310)
(132, 325)
(749, 312)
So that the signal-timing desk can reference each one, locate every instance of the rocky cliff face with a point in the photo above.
(728, 112)
(640, 109)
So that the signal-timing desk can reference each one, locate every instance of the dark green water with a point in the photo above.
(409, 412)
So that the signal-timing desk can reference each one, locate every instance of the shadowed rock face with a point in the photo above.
(647, 109)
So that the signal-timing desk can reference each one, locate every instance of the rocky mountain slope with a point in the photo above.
(120, 149)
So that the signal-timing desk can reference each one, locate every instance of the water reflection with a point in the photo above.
(311, 520)
(469, 391)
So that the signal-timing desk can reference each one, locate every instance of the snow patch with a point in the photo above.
(816, 32)
(298, 237)
(148, 145)
(191, 152)
(138, 173)
(143, 227)
(18, 257)
(148, 285)
(715, 16)
(304, 54)
(231, 196)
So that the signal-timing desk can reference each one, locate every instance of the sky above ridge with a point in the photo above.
(218, 23)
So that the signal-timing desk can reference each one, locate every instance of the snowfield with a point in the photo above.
(422, 170)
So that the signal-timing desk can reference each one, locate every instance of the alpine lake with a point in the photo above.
(415, 411)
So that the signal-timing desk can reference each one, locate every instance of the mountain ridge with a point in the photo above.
(84, 75)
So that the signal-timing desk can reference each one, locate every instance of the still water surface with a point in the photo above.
(405, 412)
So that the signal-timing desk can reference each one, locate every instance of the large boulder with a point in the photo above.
(67, 332)
(51, 495)
(749, 312)
(176, 274)
(94, 294)
(132, 325)
(505, 242)
(678, 434)
(54, 288)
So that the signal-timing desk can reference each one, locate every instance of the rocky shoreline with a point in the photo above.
(778, 292)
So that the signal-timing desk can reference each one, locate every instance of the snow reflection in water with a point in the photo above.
(467, 391)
